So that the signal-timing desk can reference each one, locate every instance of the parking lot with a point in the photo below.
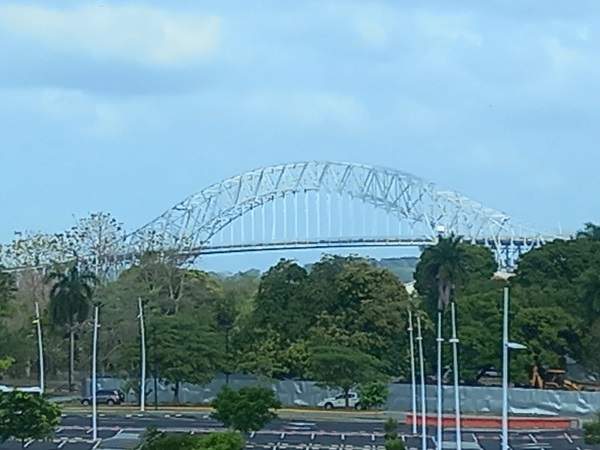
(117, 432)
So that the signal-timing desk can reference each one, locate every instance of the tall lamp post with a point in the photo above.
(506, 345)
(143, 362)
(412, 372)
(38, 323)
(94, 376)
(423, 396)
(454, 341)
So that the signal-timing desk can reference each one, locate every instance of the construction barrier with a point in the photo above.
(473, 399)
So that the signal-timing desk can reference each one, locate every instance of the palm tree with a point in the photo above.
(442, 267)
(70, 301)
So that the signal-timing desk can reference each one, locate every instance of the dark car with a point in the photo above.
(105, 397)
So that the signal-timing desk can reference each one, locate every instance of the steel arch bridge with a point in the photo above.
(327, 205)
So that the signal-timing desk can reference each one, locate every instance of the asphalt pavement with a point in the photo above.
(123, 431)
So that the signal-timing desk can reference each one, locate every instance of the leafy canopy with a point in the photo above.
(154, 439)
(25, 416)
(249, 409)
(342, 368)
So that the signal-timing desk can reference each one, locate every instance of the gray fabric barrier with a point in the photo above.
(474, 400)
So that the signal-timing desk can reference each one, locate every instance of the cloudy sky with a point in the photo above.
(129, 107)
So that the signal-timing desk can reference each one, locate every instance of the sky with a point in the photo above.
(130, 107)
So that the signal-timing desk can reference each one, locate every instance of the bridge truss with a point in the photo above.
(327, 205)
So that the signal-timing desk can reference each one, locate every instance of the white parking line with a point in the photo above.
(568, 438)
(475, 438)
(533, 438)
(28, 443)
(62, 443)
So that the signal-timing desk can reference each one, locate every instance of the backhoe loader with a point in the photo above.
(552, 379)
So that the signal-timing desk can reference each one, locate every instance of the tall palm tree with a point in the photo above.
(442, 267)
(70, 301)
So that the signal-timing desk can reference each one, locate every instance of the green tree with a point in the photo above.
(373, 395)
(591, 431)
(342, 368)
(245, 410)
(226, 440)
(183, 349)
(451, 265)
(70, 301)
(549, 334)
(392, 440)
(590, 231)
(25, 416)
(153, 439)
(368, 313)
(7, 290)
(444, 268)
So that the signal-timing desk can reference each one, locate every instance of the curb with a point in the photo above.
(495, 423)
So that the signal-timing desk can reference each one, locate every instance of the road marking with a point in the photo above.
(372, 438)
(343, 436)
(312, 437)
(532, 437)
(475, 438)
(568, 438)
(252, 435)
(403, 437)
(60, 429)
(282, 436)
(62, 443)
(28, 443)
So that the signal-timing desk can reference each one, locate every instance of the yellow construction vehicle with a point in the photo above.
(552, 379)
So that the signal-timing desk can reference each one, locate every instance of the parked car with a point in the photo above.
(339, 401)
(105, 397)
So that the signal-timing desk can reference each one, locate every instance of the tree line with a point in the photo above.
(342, 322)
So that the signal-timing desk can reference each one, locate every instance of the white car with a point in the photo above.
(339, 401)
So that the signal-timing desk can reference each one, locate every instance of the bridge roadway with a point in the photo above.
(118, 431)
(389, 241)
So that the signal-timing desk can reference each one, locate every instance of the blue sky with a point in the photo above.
(129, 107)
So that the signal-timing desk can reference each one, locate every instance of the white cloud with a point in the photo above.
(88, 114)
(306, 108)
(561, 55)
(450, 27)
(142, 34)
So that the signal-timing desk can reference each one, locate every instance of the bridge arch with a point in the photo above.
(423, 209)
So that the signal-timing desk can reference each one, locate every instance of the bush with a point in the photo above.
(395, 444)
(373, 395)
(248, 409)
(591, 431)
(158, 440)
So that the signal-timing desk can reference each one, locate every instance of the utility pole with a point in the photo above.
(423, 396)
(94, 375)
(412, 372)
(143, 362)
(38, 323)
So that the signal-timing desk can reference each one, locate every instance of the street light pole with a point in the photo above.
(454, 342)
(143, 362)
(38, 323)
(423, 396)
(94, 376)
(412, 372)
(440, 393)
(506, 346)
